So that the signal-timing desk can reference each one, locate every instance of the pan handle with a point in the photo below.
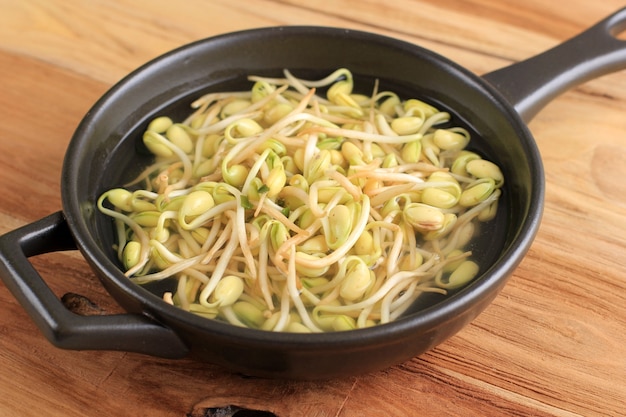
(530, 84)
(63, 328)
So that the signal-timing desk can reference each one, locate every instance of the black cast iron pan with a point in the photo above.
(104, 151)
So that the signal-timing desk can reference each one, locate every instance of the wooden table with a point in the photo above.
(552, 344)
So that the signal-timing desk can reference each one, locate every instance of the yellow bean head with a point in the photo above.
(407, 125)
(233, 107)
(160, 124)
(276, 180)
(235, 175)
(195, 204)
(318, 165)
(365, 244)
(450, 141)
(306, 271)
(340, 225)
(277, 112)
(481, 168)
(477, 192)
(121, 199)
(295, 327)
(210, 145)
(155, 144)
(359, 278)
(200, 234)
(423, 217)
(449, 220)
(278, 235)
(410, 263)
(227, 291)
(314, 245)
(465, 234)
(415, 106)
(249, 314)
(343, 323)
(390, 105)
(488, 213)
(147, 218)
(412, 151)
(131, 254)
(463, 274)
(438, 197)
(177, 134)
(352, 153)
(260, 90)
(460, 162)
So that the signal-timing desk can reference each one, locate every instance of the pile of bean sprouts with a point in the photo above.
(284, 209)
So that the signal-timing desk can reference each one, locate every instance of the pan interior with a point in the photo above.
(130, 157)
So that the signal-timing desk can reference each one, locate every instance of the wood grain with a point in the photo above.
(552, 344)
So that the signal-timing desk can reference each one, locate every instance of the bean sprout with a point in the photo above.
(283, 209)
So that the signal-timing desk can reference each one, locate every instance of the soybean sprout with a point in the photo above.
(284, 209)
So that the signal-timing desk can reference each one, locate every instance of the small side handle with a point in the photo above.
(63, 328)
